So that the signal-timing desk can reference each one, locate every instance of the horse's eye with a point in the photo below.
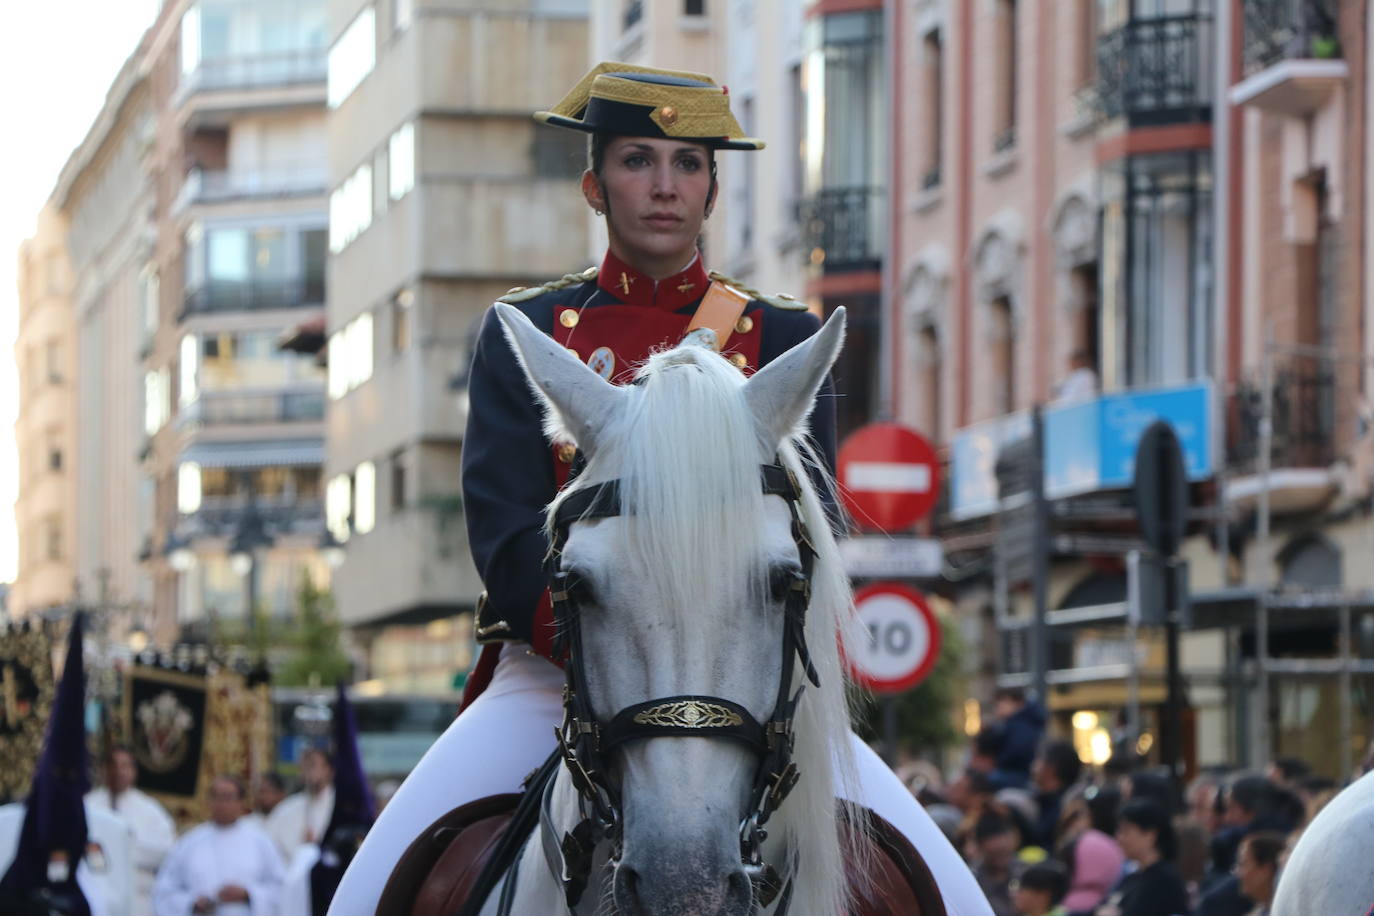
(780, 579)
(580, 588)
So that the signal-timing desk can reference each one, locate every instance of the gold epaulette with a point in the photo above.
(522, 293)
(777, 300)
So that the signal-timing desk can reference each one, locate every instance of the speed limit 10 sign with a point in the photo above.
(900, 638)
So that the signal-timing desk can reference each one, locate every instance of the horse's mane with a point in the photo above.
(687, 449)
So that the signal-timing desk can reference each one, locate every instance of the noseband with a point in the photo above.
(585, 740)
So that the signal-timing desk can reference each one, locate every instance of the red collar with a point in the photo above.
(634, 288)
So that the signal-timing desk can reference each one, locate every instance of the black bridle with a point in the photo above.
(585, 740)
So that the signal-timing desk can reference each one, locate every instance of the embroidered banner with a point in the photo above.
(26, 694)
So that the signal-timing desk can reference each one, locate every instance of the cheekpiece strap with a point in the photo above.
(693, 716)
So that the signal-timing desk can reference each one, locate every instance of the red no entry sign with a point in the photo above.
(889, 476)
(900, 642)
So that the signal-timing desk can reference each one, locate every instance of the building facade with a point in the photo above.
(445, 193)
(1170, 196)
(46, 427)
(233, 425)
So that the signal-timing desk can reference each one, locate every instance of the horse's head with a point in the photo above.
(684, 587)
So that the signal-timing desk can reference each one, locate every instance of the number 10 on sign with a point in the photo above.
(899, 641)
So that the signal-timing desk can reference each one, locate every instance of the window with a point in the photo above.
(1087, 42)
(188, 487)
(338, 507)
(350, 356)
(934, 103)
(365, 497)
(558, 154)
(252, 360)
(401, 307)
(350, 208)
(398, 479)
(401, 156)
(694, 7)
(52, 537)
(149, 291)
(314, 250)
(1005, 137)
(53, 448)
(190, 370)
(402, 12)
(157, 400)
(1004, 356)
(52, 362)
(352, 57)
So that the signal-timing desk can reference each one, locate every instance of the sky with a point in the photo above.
(57, 60)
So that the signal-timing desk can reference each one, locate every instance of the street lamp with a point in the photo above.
(250, 536)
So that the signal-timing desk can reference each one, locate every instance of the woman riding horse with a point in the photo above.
(652, 175)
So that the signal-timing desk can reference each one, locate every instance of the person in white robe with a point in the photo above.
(104, 874)
(154, 831)
(303, 817)
(224, 866)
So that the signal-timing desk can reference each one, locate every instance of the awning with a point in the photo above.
(274, 453)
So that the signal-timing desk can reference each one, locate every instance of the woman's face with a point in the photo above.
(654, 192)
(1135, 843)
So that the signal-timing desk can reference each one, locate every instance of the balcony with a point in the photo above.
(204, 187)
(1303, 446)
(281, 515)
(842, 228)
(229, 408)
(1292, 56)
(219, 88)
(256, 71)
(1157, 71)
(221, 296)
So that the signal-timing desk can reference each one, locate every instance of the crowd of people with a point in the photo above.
(1046, 837)
(241, 859)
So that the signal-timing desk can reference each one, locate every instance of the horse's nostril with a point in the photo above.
(738, 888)
(627, 890)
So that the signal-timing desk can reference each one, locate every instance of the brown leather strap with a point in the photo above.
(718, 312)
(444, 860)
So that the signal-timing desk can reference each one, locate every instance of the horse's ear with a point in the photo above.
(781, 394)
(579, 402)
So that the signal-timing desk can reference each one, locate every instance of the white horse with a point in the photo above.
(682, 592)
(1331, 870)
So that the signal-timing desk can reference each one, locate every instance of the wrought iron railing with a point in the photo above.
(1304, 418)
(256, 71)
(842, 228)
(253, 295)
(1156, 71)
(233, 408)
(280, 515)
(207, 186)
(1278, 30)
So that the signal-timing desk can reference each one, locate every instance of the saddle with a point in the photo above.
(440, 870)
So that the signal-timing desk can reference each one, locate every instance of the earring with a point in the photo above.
(600, 213)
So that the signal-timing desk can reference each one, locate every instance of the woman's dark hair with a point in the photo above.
(1158, 786)
(1063, 761)
(1147, 814)
(1103, 804)
(1048, 876)
(1265, 847)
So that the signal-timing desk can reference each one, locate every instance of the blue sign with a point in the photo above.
(1089, 446)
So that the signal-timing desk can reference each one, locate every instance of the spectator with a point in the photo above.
(224, 866)
(1251, 804)
(1040, 890)
(302, 818)
(1288, 772)
(1081, 382)
(1155, 785)
(1257, 866)
(268, 793)
(1054, 770)
(995, 865)
(1155, 888)
(152, 827)
(1022, 725)
(1093, 857)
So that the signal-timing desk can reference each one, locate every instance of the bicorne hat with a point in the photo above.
(634, 101)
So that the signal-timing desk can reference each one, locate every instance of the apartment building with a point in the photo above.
(1157, 188)
(445, 193)
(45, 429)
(233, 425)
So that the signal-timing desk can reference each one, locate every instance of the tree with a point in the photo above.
(314, 656)
(925, 714)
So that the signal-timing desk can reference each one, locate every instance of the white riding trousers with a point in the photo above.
(509, 731)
